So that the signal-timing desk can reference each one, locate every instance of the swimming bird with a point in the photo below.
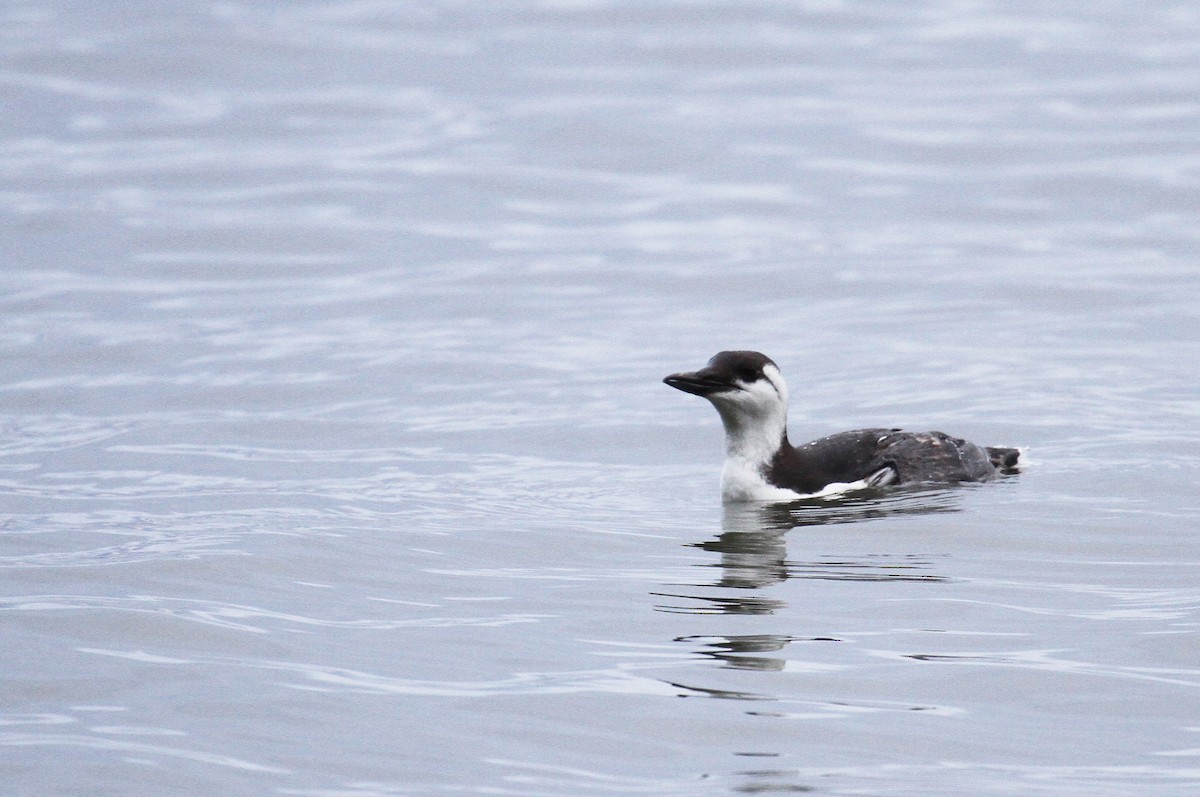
(751, 397)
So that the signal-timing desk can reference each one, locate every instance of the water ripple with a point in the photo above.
(945, 777)
(31, 435)
(162, 547)
(1048, 661)
(1131, 603)
(67, 740)
(622, 679)
(239, 617)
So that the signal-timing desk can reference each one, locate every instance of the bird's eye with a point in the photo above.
(749, 375)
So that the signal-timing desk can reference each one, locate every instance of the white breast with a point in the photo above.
(741, 482)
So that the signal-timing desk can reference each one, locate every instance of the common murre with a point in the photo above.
(751, 397)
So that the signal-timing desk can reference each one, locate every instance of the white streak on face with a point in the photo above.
(754, 413)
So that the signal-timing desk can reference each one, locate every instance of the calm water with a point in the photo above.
(334, 458)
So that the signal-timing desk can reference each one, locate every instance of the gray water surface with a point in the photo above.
(334, 458)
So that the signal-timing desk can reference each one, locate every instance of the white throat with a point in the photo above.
(755, 420)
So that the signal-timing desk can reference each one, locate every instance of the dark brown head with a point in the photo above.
(727, 371)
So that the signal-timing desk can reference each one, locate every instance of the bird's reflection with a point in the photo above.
(745, 652)
(753, 549)
(753, 555)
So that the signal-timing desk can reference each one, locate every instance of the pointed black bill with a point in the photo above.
(698, 383)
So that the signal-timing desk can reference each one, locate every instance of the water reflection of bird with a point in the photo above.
(753, 556)
(753, 549)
